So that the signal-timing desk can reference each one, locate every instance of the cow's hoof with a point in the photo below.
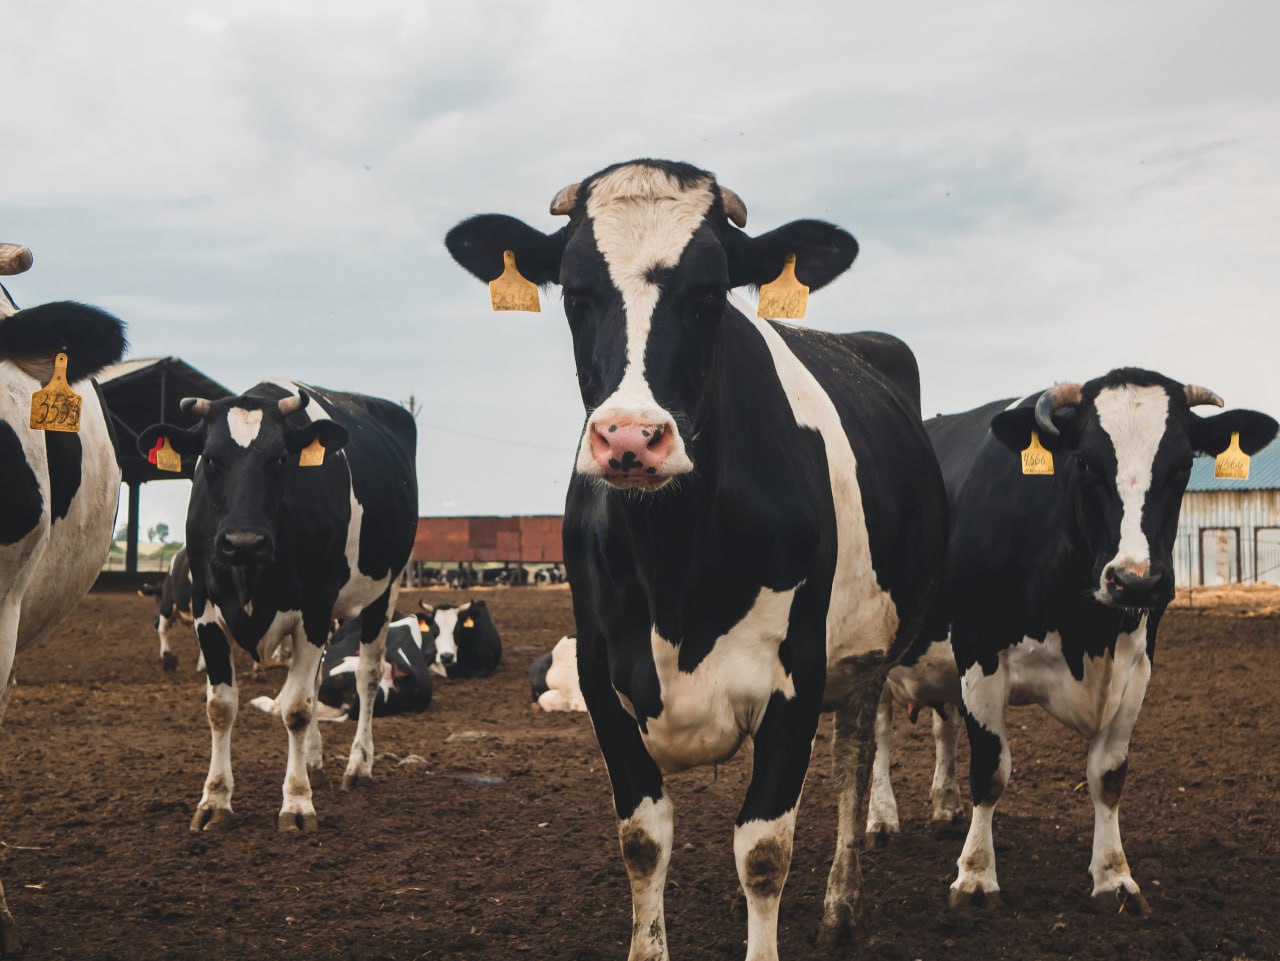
(978, 899)
(291, 821)
(841, 926)
(213, 819)
(355, 778)
(1121, 901)
(949, 826)
(169, 661)
(878, 837)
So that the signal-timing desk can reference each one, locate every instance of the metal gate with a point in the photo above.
(1219, 555)
(1266, 555)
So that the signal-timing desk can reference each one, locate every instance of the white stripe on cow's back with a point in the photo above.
(861, 617)
(1134, 418)
(244, 424)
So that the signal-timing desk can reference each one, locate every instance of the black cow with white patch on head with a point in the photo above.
(58, 490)
(278, 548)
(464, 641)
(1056, 584)
(755, 524)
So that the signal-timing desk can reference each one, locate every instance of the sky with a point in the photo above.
(1041, 191)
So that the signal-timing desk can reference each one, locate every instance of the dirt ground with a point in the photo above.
(502, 844)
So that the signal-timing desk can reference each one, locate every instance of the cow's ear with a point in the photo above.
(478, 244)
(332, 436)
(1212, 435)
(823, 252)
(1013, 429)
(427, 607)
(185, 440)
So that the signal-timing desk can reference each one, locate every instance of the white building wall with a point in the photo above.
(1228, 536)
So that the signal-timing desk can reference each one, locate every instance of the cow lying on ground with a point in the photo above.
(58, 490)
(405, 683)
(303, 511)
(466, 642)
(553, 678)
(755, 526)
(173, 606)
(1056, 584)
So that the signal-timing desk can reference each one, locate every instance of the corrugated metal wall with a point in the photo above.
(1228, 536)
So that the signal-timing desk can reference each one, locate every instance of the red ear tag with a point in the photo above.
(151, 454)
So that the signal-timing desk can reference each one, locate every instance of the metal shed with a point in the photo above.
(1229, 530)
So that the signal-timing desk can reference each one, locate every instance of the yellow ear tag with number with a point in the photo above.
(167, 458)
(469, 623)
(511, 291)
(784, 298)
(1035, 459)
(312, 455)
(56, 406)
(1232, 463)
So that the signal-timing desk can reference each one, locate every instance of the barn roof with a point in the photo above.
(1264, 473)
(146, 391)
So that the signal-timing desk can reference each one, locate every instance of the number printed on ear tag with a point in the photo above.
(166, 458)
(784, 298)
(312, 455)
(1232, 463)
(1035, 459)
(512, 291)
(56, 406)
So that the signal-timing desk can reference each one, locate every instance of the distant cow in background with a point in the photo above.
(173, 606)
(553, 678)
(467, 643)
(58, 490)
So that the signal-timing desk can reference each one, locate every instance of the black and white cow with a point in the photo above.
(755, 524)
(467, 644)
(280, 549)
(173, 606)
(1056, 584)
(58, 491)
(553, 678)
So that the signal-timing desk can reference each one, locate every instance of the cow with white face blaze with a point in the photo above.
(281, 545)
(58, 490)
(173, 606)
(1056, 584)
(755, 524)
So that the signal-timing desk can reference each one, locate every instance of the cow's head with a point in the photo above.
(247, 447)
(650, 252)
(453, 629)
(1122, 449)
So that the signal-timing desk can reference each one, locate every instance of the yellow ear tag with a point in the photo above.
(511, 291)
(56, 406)
(1035, 459)
(1232, 463)
(167, 458)
(469, 623)
(312, 455)
(784, 298)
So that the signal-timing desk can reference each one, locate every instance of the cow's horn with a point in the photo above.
(199, 406)
(1197, 395)
(292, 404)
(1061, 395)
(734, 208)
(14, 259)
(562, 203)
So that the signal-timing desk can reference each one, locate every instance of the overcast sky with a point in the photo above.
(1041, 191)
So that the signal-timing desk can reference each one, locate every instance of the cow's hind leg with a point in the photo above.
(313, 746)
(1114, 889)
(10, 941)
(986, 697)
(882, 809)
(168, 659)
(297, 710)
(222, 702)
(851, 749)
(948, 809)
(373, 648)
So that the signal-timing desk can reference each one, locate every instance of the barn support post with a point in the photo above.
(131, 538)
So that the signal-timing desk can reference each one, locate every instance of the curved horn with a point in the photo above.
(14, 259)
(1061, 395)
(1197, 395)
(291, 404)
(562, 203)
(199, 406)
(734, 208)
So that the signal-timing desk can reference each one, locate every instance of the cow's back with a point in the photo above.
(957, 440)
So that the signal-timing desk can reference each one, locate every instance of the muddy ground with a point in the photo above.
(502, 844)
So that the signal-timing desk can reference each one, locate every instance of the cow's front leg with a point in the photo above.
(1114, 889)
(646, 825)
(986, 697)
(222, 702)
(314, 743)
(948, 809)
(851, 750)
(373, 648)
(882, 808)
(297, 711)
(168, 660)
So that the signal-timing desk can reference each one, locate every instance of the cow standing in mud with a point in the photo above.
(755, 527)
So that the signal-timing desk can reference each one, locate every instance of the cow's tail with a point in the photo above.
(268, 705)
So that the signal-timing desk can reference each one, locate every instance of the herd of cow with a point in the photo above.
(759, 528)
